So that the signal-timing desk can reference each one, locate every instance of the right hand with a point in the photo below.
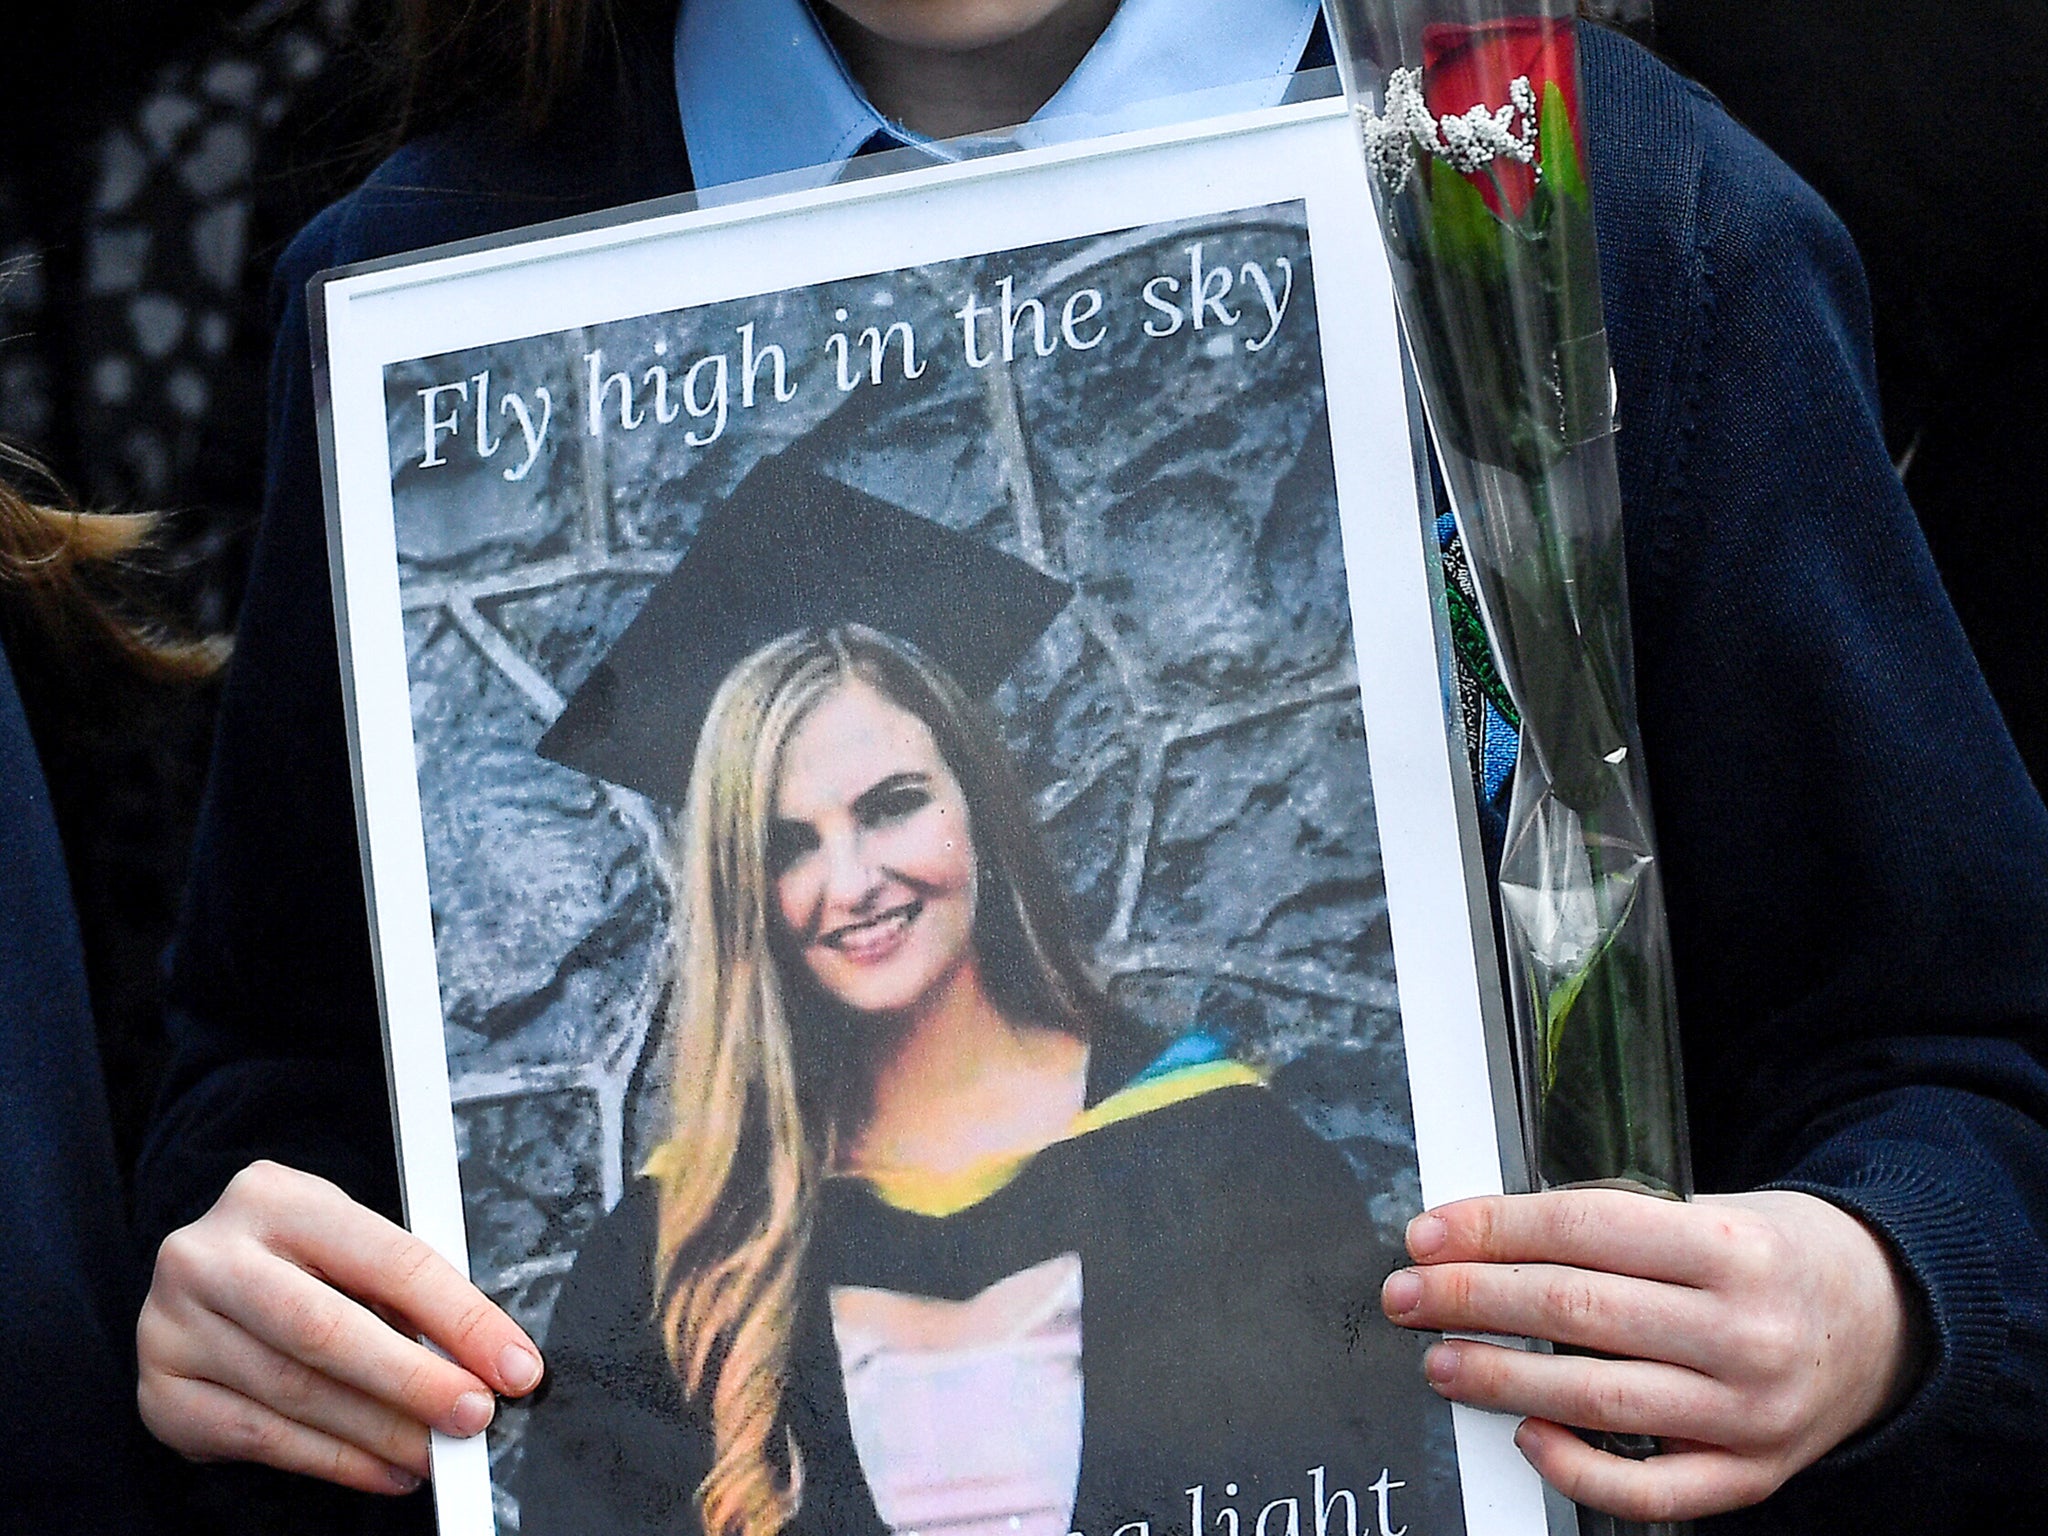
(272, 1333)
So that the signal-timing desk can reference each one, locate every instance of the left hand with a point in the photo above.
(1752, 1334)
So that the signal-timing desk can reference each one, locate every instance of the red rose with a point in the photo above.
(1471, 66)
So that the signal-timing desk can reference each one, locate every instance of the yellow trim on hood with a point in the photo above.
(924, 1193)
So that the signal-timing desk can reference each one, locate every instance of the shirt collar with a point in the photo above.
(762, 90)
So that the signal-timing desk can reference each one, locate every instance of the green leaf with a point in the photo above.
(1462, 227)
(1557, 1008)
(1559, 147)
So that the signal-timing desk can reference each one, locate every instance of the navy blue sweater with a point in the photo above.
(67, 1346)
(1857, 864)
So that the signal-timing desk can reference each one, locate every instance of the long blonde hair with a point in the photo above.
(70, 592)
(761, 1072)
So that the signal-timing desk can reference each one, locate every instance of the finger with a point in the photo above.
(369, 1257)
(312, 1323)
(212, 1349)
(1629, 1397)
(207, 1422)
(1583, 1308)
(1609, 1229)
(1677, 1485)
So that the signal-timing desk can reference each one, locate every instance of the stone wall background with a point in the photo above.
(1189, 726)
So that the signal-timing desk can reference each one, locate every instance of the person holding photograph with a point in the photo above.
(938, 1242)
(1852, 1335)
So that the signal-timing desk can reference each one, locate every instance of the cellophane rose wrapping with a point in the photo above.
(1470, 117)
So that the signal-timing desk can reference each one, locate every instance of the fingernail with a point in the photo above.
(472, 1414)
(518, 1368)
(1401, 1293)
(1440, 1365)
(1426, 1234)
(401, 1481)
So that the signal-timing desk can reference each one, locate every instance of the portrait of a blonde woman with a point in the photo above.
(939, 1240)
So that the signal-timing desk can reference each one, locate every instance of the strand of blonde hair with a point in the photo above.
(727, 1323)
(62, 569)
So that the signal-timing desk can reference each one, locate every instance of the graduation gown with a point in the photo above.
(1231, 1336)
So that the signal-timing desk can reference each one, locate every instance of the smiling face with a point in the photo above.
(872, 858)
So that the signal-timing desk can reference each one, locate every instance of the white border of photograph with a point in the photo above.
(591, 272)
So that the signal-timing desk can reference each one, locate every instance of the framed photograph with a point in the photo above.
(926, 905)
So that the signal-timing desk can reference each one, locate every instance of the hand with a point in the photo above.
(1754, 1333)
(264, 1338)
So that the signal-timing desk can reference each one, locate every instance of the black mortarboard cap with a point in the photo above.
(792, 549)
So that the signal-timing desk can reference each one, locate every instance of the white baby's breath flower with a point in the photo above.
(1468, 141)
(1393, 133)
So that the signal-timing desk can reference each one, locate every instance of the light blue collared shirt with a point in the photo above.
(762, 90)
